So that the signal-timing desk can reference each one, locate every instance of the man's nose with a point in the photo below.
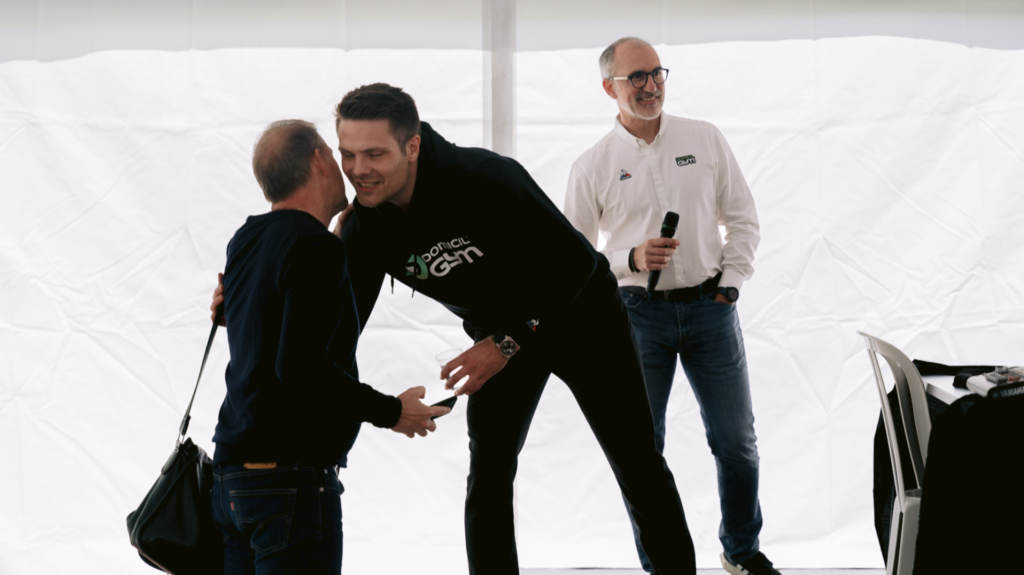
(360, 166)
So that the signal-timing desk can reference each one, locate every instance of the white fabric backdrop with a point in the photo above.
(887, 175)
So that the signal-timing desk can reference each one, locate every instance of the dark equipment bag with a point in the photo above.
(173, 528)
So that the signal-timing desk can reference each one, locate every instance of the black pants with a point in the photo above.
(597, 358)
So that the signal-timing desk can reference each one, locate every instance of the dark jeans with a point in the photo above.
(705, 336)
(597, 358)
(283, 520)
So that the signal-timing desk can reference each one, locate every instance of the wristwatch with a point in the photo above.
(506, 345)
(732, 294)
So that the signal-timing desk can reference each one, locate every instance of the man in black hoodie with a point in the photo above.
(294, 402)
(472, 230)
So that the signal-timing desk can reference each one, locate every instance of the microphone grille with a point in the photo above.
(671, 219)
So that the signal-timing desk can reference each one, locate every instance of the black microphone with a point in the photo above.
(668, 229)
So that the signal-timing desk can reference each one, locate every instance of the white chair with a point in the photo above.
(913, 402)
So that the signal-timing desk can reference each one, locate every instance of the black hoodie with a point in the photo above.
(480, 237)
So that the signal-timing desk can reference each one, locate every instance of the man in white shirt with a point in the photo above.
(649, 164)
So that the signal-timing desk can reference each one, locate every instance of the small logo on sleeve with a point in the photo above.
(685, 160)
(624, 175)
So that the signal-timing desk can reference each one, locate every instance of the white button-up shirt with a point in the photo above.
(623, 187)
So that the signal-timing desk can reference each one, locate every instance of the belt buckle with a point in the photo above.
(259, 465)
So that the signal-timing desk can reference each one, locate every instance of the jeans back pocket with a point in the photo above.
(265, 515)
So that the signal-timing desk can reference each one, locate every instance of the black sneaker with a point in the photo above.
(756, 565)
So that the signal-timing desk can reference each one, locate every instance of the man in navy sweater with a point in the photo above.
(294, 402)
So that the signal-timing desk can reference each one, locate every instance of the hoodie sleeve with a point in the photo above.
(547, 262)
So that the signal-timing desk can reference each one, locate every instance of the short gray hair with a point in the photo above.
(280, 158)
(608, 56)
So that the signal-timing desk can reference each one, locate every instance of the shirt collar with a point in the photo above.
(632, 140)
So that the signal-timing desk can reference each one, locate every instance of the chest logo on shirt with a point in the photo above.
(624, 175)
(441, 258)
(685, 160)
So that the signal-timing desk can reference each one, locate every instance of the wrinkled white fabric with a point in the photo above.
(886, 174)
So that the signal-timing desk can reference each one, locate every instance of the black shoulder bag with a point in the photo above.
(173, 528)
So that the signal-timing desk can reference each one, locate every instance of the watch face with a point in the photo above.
(508, 348)
(730, 293)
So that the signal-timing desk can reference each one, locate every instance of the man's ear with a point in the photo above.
(412, 148)
(609, 88)
(318, 161)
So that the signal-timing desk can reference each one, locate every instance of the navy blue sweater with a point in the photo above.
(293, 392)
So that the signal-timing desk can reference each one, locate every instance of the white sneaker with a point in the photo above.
(756, 565)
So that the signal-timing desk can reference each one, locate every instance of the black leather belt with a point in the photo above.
(682, 294)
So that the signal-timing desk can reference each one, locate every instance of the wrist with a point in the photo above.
(505, 345)
(730, 294)
(632, 265)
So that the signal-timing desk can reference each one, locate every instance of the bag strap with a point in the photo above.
(183, 428)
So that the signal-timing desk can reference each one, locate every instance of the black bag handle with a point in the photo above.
(183, 428)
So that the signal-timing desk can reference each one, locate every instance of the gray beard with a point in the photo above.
(635, 111)
(637, 114)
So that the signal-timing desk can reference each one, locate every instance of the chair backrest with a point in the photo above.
(913, 402)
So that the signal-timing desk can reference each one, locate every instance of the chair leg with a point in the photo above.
(908, 535)
(893, 558)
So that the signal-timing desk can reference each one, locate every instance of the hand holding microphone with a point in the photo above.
(654, 254)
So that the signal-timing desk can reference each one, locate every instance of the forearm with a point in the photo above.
(307, 367)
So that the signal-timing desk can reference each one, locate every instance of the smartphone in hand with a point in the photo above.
(449, 403)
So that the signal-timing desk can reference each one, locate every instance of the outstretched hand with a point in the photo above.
(476, 365)
(218, 299)
(416, 415)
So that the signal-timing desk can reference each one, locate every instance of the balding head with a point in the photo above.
(607, 59)
(282, 155)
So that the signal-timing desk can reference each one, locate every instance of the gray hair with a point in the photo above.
(608, 56)
(280, 158)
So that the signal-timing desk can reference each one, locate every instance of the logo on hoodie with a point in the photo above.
(441, 258)
(417, 267)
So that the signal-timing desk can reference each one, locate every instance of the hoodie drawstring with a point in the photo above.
(413, 286)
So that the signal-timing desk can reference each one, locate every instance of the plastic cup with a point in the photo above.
(445, 356)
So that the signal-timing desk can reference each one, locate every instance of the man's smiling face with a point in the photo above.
(640, 103)
(374, 162)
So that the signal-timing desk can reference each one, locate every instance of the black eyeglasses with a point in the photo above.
(639, 79)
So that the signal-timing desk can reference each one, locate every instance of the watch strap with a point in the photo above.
(732, 294)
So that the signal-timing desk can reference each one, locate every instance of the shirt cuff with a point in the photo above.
(619, 262)
(731, 278)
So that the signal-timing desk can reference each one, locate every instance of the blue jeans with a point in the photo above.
(705, 335)
(282, 520)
